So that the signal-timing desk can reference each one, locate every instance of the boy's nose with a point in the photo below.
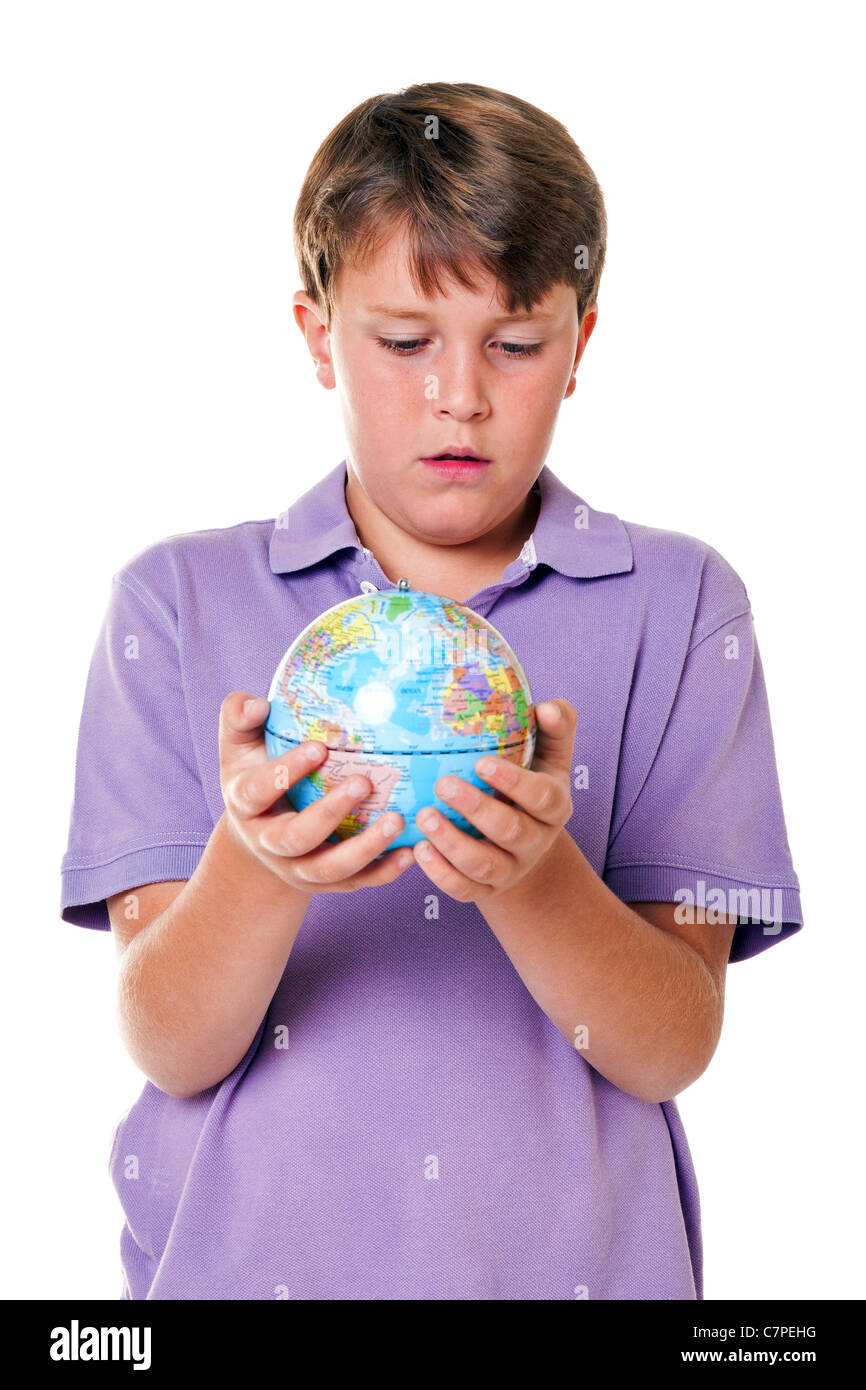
(459, 391)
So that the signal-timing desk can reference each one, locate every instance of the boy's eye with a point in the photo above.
(405, 347)
(520, 349)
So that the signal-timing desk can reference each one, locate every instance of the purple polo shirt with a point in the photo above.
(407, 1122)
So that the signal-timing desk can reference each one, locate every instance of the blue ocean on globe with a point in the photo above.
(402, 686)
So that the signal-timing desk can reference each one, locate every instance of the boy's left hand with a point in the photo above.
(519, 832)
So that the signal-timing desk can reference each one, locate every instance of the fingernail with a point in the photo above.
(312, 750)
(425, 850)
(255, 706)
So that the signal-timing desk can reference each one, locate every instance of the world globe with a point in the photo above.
(402, 686)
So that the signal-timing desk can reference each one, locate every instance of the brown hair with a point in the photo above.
(474, 176)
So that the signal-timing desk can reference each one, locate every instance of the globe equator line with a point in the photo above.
(479, 752)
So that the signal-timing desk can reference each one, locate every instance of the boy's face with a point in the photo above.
(417, 377)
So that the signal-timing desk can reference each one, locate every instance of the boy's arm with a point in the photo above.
(641, 996)
(200, 965)
(198, 971)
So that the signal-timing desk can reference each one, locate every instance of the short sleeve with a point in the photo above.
(139, 813)
(705, 826)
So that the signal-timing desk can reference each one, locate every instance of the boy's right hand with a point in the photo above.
(289, 842)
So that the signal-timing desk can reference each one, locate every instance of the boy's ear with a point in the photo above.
(308, 317)
(587, 324)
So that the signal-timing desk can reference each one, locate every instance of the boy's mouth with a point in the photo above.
(457, 462)
(457, 451)
(458, 469)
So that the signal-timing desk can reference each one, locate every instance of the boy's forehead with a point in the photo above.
(383, 286)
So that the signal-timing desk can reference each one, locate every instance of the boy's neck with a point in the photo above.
(454, 571)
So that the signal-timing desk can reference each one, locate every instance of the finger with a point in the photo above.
(297, 833)
(356, 863)
(445, 874)
(382, 870)
(253, 790)
(241, 741)
(541, 794)
(556, 722)
(477, 860)
(499, 821)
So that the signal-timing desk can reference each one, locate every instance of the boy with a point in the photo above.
(458, 1083)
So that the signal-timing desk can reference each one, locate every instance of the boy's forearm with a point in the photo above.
(196, 982)
(640, 1004)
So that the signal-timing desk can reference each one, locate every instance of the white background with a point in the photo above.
(155, 383)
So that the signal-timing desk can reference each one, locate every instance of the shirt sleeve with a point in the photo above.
(139, 813)
(706, 827)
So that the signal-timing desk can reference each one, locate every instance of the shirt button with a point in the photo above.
(368, 588)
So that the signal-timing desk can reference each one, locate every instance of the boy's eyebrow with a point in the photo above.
(396, 313)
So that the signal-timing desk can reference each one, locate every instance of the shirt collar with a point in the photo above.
(569, 536)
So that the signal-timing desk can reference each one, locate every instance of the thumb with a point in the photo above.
(556, 722)
(241, 737)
